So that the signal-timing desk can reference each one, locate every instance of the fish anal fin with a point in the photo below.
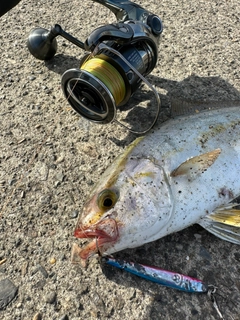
(222, 231)
(196, 165)
(224, 222)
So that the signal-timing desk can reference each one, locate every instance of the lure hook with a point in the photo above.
(212, 290)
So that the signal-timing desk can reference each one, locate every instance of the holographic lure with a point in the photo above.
(164, 277)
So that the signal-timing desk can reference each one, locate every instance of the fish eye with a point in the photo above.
(106, 199)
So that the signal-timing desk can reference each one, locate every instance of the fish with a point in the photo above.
(185, 171)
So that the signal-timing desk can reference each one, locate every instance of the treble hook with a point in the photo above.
(211, 291)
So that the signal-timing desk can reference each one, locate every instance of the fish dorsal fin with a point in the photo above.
(196, 165)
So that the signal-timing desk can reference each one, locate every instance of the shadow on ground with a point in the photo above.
(189, 96)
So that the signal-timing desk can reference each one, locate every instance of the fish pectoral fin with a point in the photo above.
(224, 222)
(196, 165)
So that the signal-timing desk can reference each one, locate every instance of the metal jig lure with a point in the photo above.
(166, 278)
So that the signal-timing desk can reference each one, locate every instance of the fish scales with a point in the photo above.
(177, 175)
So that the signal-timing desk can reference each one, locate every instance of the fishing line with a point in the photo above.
(109, 75)
(102, 46)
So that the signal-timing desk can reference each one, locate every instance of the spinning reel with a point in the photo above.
(120, 56)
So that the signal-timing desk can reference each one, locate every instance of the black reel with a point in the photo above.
(120, 56)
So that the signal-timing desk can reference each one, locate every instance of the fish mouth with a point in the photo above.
(103, 233)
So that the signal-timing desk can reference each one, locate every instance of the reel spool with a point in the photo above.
(120, 56)
(95, 90)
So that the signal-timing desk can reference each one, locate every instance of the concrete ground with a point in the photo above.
(50, 158)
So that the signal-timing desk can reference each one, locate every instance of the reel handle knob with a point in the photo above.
(42, 43)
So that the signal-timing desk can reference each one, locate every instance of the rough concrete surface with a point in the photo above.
(50, 158)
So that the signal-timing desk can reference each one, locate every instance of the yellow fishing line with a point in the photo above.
(105, 72)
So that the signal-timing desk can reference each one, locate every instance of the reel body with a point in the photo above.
(120, 56)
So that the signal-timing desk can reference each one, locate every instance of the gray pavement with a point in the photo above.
(50, 159)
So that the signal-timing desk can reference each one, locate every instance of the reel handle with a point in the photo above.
(42, 43)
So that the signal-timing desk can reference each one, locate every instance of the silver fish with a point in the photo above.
(185, 171)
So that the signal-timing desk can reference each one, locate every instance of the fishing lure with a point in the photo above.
(166, 278)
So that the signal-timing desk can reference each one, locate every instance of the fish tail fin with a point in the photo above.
(224, 223)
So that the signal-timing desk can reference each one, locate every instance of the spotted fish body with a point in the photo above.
(185, 171)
